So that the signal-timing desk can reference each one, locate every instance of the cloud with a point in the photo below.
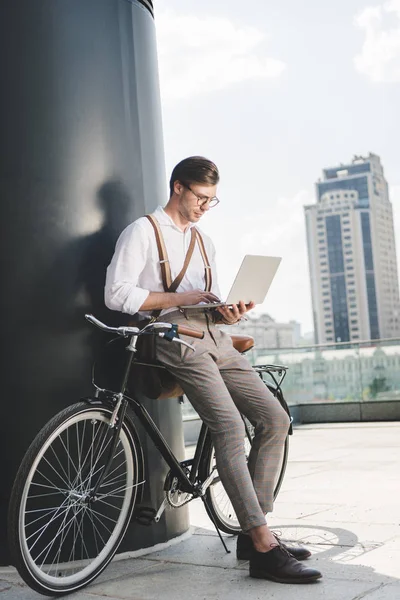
(277, 230)
(199, 55)
(379, 58)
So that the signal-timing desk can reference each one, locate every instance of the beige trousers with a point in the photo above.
(220, 385)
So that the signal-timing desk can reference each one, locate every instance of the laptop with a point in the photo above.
(251, 283)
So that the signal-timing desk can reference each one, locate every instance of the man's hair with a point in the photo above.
(195, 169)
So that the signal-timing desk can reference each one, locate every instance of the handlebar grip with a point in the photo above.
(190, 332)
(94, 321)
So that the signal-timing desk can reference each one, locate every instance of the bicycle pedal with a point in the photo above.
(145, 515)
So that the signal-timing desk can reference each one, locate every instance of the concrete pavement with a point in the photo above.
(340, 497)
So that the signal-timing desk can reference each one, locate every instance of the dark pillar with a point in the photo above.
(81, 156)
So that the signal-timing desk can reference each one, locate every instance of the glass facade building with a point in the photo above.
(352, 254)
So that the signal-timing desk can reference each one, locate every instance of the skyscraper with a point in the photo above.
(352, 254)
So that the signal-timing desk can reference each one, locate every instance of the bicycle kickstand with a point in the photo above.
(215, 524)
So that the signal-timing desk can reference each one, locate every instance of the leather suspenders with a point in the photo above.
(169, 285)
(207, 268)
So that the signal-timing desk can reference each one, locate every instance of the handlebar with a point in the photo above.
(151, 327)
(190, 332)
(119, 330)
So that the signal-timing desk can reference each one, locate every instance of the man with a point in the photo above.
(218, 381)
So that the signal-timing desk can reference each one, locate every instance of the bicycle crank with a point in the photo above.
(173, 495)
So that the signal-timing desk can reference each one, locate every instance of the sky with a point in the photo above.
(273, 92)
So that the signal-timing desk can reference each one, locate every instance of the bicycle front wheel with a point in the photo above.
(60, 537)
(219, 506)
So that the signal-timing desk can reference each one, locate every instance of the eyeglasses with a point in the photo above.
(202, 200)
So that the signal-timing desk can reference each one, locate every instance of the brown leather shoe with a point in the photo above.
(244, 546)
(278, 565)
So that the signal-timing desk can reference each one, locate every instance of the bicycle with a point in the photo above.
(81, 480)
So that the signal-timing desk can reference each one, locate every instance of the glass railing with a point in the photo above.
(342, 372)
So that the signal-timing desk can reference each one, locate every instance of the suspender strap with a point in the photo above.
(207, 268)
(168, 284)
(175, 284)
(162, 253)
(171, 286)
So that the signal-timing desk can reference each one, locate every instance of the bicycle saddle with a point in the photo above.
(242, 343)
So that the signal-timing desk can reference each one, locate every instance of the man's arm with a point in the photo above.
(231, 315)
(157, 300)
(122, 291)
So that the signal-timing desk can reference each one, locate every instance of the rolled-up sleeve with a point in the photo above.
(122, 291)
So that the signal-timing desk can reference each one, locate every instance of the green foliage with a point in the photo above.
(378, 385)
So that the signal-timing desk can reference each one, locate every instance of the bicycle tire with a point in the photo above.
(218, 505)
(55, 536)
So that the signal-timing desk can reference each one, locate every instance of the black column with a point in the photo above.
(81, 156)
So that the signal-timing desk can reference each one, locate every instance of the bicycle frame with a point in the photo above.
(122, 401)
(82, 479)
(187, 484)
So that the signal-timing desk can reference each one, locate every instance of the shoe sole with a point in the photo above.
(242, 556)
(246, 556)
(263, 575)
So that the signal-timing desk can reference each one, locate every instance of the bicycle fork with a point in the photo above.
(115, 425)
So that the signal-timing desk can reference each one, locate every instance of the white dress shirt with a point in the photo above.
(135, 269)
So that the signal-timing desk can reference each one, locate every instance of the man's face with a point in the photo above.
(194, 199)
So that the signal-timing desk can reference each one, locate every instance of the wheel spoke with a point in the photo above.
(103, 516)
(97, 516)
(51, 543)
(95, 529)
(52, 487)
(67, 478)
(56, 515)
(55, 470)
(65, 536)
(56, 493)
(120, 489)
(43, 516)
(92, 473)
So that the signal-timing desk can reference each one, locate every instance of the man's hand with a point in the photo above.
(233, 315)
(195, 297)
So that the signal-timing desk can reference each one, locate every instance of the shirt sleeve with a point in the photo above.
(122, 291)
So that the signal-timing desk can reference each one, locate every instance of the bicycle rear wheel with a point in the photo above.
(219, 506)
(61, 539)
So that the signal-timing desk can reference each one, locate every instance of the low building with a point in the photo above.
(342, 372)
(267, 332)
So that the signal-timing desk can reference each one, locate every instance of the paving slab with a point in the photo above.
(19, 593)
(339, 498)
(385, 592)
(302, 510)
(361, 514)
(204, 551)
(306, 494)
(170, 581)
(341, 533)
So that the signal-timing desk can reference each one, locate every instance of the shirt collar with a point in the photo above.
(165, 219)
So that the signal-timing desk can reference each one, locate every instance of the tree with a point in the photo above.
(378, 385)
